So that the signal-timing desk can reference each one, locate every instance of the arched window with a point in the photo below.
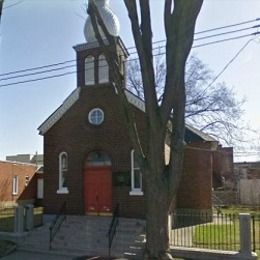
(90, 70)
(103, 71)
(98, 158)
(63, 170)
(136, 176)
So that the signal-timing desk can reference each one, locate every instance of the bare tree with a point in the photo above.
(212, 108)
(1, 8)
(160, 180)
(6, 7)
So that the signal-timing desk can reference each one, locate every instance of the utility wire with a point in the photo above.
(201, 94)
(38, 72)
(231, 25)
(230, 62)
(222, 27)
(227, 39)
(72, 72)
(155, 42)
(69, 66)
(229, 32)
(37, 68)
(38, 79)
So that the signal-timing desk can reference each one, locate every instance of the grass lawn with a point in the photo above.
(217, 236)
(237, 210)
(7, 219)
(225, 235)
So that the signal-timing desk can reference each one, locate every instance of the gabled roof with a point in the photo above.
(59, 112)
(132, 99)
(71, 99)
(203, 136)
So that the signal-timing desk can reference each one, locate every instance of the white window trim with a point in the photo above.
(15, 190)
(103, 69)
(135, 191)
(89, 70)
(61, 189)
(90, 114)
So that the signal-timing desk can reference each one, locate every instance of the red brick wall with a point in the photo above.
(195, 186)
(7, 171)
(130, 206)
(222, 166)
(73, 134)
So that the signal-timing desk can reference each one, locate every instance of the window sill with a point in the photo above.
(136, 193)
(15, 194)
(63, 191)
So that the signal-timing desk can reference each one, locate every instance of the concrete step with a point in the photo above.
(81, 235)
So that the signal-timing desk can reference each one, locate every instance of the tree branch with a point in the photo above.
(143, 40)
(178, 46)
(167, 17)
(112, 59)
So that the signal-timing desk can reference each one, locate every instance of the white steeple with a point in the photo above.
(109, 18)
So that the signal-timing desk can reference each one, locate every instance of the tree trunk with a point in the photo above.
(157, 210)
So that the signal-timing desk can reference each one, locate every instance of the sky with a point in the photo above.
(41, 32)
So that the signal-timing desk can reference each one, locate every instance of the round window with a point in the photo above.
(96, 116)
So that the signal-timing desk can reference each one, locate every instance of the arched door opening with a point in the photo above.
(98, 184)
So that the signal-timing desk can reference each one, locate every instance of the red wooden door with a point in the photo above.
(98, 189)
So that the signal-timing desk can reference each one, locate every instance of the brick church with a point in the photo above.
(89, 161)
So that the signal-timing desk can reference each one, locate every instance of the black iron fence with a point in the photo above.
(206, 230)
(57, 222)
(7, 219)
(255, 234)
(112, 228)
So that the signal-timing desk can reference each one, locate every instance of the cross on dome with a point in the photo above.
(110, 19)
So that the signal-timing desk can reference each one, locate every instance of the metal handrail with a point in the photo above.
(112, 228)
(56, 223)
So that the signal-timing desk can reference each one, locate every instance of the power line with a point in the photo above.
(155, 42)
(72, 72)
(227, 39)
(224, 68)
(70, 66)
(229, 63)
(229, 32)
(65, 67)
(37, 73)
(231, 25)
(38, 79)
(37, 68)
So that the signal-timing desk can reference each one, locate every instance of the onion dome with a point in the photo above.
(110, 19)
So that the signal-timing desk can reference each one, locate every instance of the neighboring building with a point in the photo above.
(247, 170)
(26, 158)
(89, 161)
(248, 182)
(223, 168)
(17, 183)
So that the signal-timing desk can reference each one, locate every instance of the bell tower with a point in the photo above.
(92, 66)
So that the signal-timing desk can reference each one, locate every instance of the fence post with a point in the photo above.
(29, 223)
(245, 233)
(169, 223)
(19, 219)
